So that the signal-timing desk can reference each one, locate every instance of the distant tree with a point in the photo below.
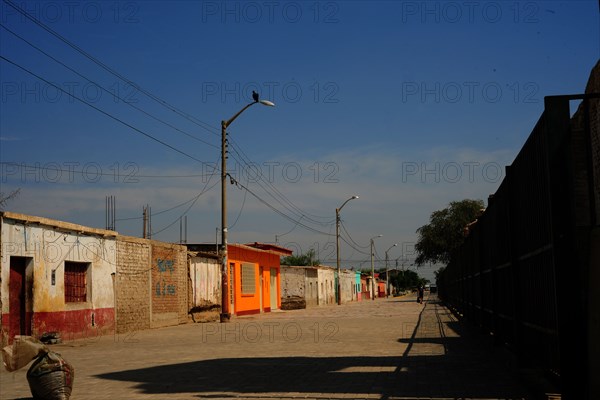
(407, 279)
(302, 259)
(445, 231)
(5, 198)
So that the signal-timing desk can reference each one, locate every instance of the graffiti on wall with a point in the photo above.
(164, 287)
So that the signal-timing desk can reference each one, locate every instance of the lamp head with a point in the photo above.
(267, 103)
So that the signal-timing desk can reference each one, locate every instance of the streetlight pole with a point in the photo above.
(225, 314)
(373, 268)
(337, 246)
(387, 270)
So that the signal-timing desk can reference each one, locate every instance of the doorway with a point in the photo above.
(20, 296)
(273, 279)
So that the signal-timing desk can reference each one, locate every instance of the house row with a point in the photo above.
(308, 286)
(80, 281)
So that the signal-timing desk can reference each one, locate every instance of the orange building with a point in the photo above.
(254, 277)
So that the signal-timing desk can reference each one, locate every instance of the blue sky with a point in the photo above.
(408, 104)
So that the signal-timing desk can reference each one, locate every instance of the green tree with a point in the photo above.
(408, 279)
(301, 259)
(445, 231)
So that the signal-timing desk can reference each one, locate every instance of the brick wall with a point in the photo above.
(133, 285)
(169, 284)
(152, 284)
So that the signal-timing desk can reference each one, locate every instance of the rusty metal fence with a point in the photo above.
(522, 273)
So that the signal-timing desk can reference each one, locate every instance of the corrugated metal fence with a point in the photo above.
(522, 272)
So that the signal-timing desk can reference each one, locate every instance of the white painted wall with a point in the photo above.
(205, 274)
(49, 247)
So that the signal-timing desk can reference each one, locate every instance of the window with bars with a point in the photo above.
(76, 282)
(248, 279)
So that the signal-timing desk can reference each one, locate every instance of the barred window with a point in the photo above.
(76, 282)
(248, 279)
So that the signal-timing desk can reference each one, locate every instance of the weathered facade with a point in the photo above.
(312, 287)
(318, 285)
(55, 277)
(293, 281)
(326, 279)
(151, 284)
(348, 286)
(79, 281)
(205, 281)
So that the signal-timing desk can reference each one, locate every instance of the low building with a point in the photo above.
(317, 285)
(55, 277)
(327, 287)
(348, 286)
(358, 286)
(82, 282)
(254, 276)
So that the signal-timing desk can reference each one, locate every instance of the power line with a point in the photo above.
(188, 209)
(350, 237)
(213, 130)
(282, 213)
(100, 110)
(278, 196)
(106, 90)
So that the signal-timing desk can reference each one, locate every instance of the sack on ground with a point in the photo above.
(51, 377)
(21, 352)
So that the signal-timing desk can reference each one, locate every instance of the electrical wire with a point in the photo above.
(100, 110)
(350, 237)
(278, 196)
(108, 91)
(211, 129)
(283, 214)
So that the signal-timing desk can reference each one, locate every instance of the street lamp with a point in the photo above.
(373, 268)
(225, 314)
(337, 246)
(387, 270)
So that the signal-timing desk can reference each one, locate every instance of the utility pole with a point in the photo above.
(337, 247)
(387, 270)
(373, 268)
(225, 315)
(145, 222)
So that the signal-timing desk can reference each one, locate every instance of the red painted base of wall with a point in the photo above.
(76, 324)
(247, 312)
(250, 312)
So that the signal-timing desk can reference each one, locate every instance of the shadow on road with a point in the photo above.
(458, 370)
